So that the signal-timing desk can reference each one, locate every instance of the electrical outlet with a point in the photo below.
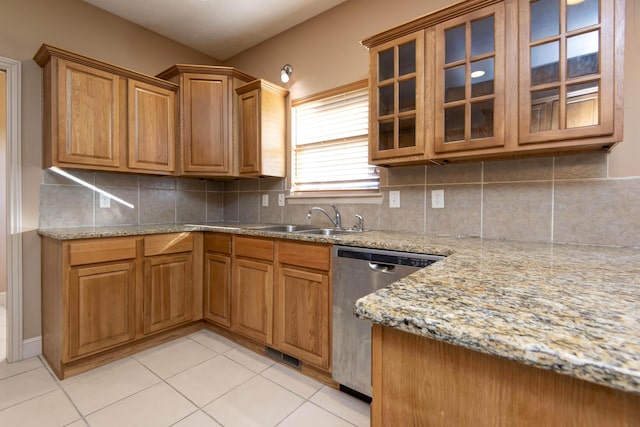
(394, 199)
(437, 199)
(265, 200)
(105, 202)
(280, 199)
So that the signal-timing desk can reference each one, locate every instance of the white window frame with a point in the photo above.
(297, 192)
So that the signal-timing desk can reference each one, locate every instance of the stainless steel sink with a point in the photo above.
(285, 228)
(325, 231)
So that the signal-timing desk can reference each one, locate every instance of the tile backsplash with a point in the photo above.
(64, 203)
(562, 199)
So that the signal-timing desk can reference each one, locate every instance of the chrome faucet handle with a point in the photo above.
(338, 220)
(360, 226)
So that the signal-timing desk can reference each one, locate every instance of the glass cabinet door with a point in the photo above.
(566, 69)
(396, 95)
(469, 97)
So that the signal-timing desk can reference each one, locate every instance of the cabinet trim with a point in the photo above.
(47, 52)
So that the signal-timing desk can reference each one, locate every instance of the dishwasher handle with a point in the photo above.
(381, 268)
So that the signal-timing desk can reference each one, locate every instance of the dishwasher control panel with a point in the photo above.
(396, 258)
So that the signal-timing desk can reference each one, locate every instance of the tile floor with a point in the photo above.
(198, 381)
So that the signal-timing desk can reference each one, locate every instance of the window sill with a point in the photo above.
(338, 198)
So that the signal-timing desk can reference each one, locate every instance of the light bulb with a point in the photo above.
(285, 73)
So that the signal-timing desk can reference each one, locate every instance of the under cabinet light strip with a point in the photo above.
(89, 186)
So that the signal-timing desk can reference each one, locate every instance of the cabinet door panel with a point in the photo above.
(249, 118)
(252, 297)
(396, 94)
(567, 87)
(207, 128)
(88, 116)
(303, 315)
(218, 289)
(167, 291)
(101, 307)
(470, 81)
(152, 142)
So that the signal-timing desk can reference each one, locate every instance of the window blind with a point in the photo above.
(330, 143)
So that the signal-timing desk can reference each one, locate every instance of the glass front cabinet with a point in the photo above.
(396, 94)
(470, 91)
(567, 74)
(490, 79)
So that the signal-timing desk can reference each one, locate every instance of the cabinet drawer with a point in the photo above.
(217, 243)
(309, 255)
(102, 250)
(254, 248)
(173, 243)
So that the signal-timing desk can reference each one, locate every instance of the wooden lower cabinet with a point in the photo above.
(252, 299)
(172, 280)
(168, 291)
(418, 381)
(104, 298)
(302, 302)
(302, 315)
(217, 278)
(101, 306)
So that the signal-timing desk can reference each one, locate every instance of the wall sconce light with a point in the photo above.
(285, 73)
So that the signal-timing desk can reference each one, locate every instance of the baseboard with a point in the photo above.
(31, 347)
(3, 298)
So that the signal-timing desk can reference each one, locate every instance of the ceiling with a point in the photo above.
(218, 28)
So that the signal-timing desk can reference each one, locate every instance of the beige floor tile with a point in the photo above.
(310, 415)
(258, 402)
(101, 387)
(249, 359)
(174, 357)
(197, 419)
(215, 342)
(341, 404)
(10, 369)
(210, 380)
(51, 409)
(159, 405)
(292, 380)
(25, 386)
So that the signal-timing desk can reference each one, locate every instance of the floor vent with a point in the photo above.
(282, 357)
(355, 393)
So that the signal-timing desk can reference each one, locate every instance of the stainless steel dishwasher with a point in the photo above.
(356, 273)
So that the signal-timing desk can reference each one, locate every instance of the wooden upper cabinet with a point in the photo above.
(87, 126)
(102, 117)
(207, 124)
(470, 81)
(152, 132)
(498, 78)
(570, 77)
(396, 96)
(261, 128)
(207, 107)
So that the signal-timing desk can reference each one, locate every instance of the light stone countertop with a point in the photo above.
(569, 308)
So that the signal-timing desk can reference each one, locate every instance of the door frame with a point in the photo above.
(13, 193)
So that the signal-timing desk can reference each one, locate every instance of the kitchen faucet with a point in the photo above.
(337, 222)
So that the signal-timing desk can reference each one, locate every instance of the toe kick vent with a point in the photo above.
(282, 357)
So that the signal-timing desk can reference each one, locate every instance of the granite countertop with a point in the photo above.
(569, 308)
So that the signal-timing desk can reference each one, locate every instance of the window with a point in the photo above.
(330, 142)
